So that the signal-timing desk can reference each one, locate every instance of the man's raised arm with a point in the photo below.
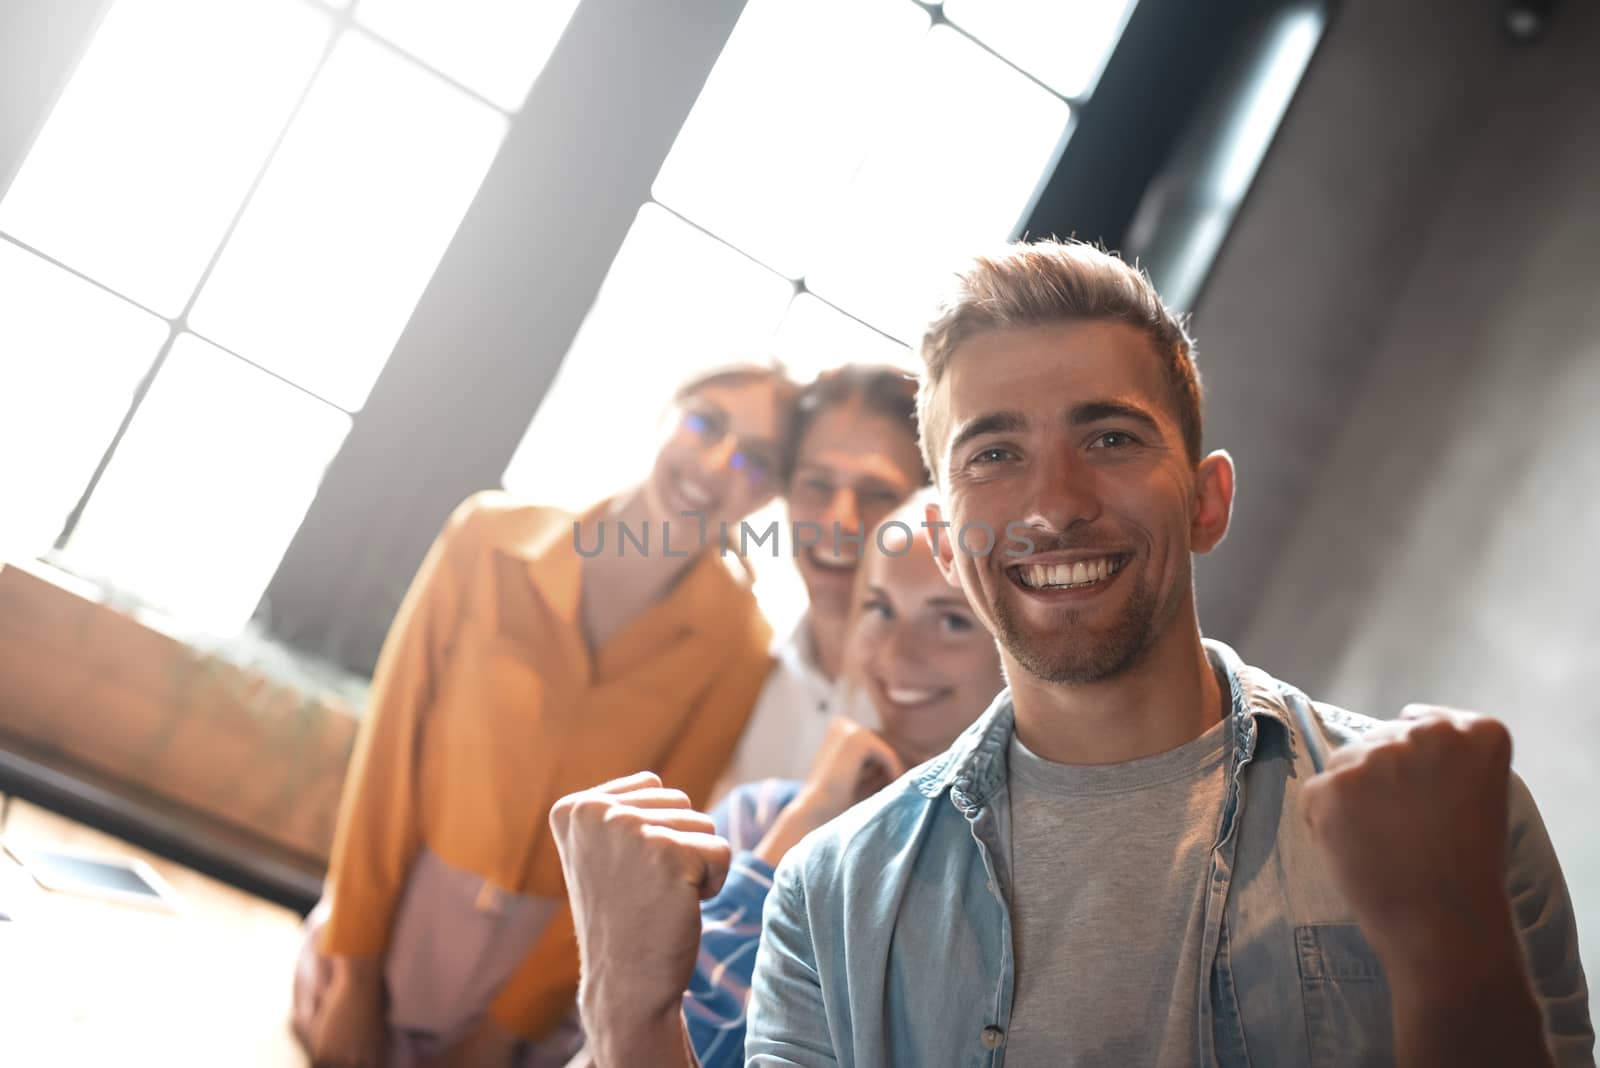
(638, 860)
(1414, 818)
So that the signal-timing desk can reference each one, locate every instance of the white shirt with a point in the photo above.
(791, 714)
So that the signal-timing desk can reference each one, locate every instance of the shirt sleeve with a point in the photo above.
(719, 992)
(730, 925)
(788, 1023)
(377, 835)
(1545, 921)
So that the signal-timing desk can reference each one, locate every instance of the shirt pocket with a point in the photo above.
(1348, 1016)
(457, 940)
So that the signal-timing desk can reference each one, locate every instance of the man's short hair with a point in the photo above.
(879, 388)
(1034, 284)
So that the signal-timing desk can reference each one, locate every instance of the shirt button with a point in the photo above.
(993, 1037)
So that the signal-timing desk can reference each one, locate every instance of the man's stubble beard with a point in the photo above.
(1070, 654)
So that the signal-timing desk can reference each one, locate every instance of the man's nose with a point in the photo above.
(844, 509)
(1061, 492)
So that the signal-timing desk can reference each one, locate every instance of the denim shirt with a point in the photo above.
(887, 937)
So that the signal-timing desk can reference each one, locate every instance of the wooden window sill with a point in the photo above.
(220, 755)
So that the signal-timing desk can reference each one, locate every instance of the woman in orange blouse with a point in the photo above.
(536, 652)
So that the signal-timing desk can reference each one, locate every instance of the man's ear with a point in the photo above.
(1213, 500)
(939, 537)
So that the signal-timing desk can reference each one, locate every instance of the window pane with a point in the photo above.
(207, 488)
(815, 335)
(155, 140)
(349, 222)
(1063, 43)
(785, 118)
(71, 355)
(493, 47)
(675, 301)
(959, 167)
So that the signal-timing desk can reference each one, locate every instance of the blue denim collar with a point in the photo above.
(973, 769)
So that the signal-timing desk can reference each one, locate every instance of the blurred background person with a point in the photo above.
(525, 663)
(855, 458)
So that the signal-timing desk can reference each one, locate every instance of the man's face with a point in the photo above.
(853, 467)
(1068, 434)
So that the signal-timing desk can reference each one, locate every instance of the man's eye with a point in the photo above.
(1114, 439)
(992, 455)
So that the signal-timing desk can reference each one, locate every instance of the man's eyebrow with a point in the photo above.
(1007, 422)
(1099, 411)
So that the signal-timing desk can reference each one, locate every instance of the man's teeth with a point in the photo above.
(1081, 573)
(909, 697)
(833, 563)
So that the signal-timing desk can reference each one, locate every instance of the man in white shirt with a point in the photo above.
(855, 458)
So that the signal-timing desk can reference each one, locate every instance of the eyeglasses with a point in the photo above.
(710, 426)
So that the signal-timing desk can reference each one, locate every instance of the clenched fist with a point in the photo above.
(638, 860)
(1413, 817)
(1414, 820)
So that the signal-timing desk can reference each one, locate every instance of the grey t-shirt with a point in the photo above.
(1108, 877)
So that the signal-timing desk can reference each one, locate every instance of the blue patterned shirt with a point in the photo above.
(730, 925)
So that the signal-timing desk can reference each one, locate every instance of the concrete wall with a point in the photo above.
(1441, 548)
(1302, 291)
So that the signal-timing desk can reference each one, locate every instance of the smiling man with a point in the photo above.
(1135, 857)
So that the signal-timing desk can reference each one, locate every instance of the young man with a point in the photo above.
(1131, 859)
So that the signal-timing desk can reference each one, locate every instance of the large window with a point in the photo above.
(223, 225)
(842, 154)
(208, 254)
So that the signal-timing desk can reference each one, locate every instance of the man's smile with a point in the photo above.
(1074, 574)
